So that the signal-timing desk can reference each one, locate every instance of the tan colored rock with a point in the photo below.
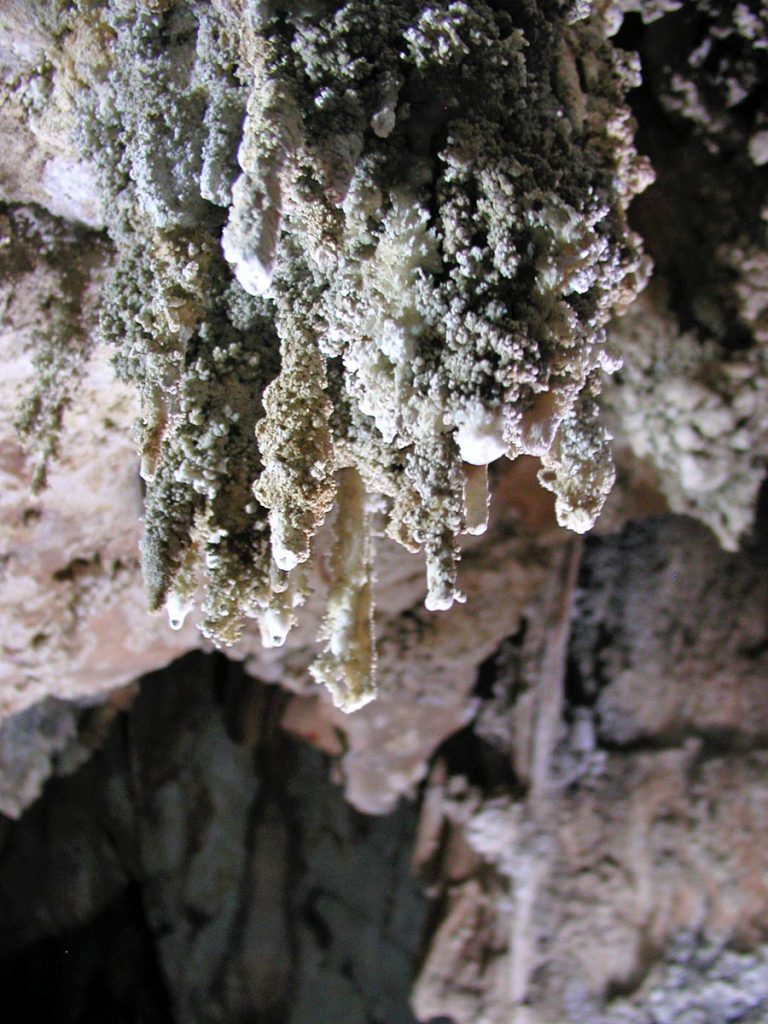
(74, 614)
(39, 162)
(71, 598)
(638, 851)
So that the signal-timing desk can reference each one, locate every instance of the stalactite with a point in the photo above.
(375, 240)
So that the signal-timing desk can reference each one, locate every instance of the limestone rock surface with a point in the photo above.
(573, 761)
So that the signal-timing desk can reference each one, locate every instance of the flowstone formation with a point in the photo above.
(362, 251)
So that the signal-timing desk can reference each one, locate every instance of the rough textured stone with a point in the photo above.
(73, 609)
(30, 743)
(563, 893)
(585, 861)
(583, 742)
(259, 886)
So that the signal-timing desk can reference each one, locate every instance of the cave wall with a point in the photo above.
(554, 809)
(203, 867)
(587, 847)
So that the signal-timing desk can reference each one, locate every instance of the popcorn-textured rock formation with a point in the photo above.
(690, 395)
(375, 243)
(345, 255)
(696, 411)
(436, 271)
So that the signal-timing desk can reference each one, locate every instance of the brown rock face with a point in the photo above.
(555, 810)
(577, 859)
(645, 831)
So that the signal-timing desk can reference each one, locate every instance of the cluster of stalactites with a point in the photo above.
(363, 251)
